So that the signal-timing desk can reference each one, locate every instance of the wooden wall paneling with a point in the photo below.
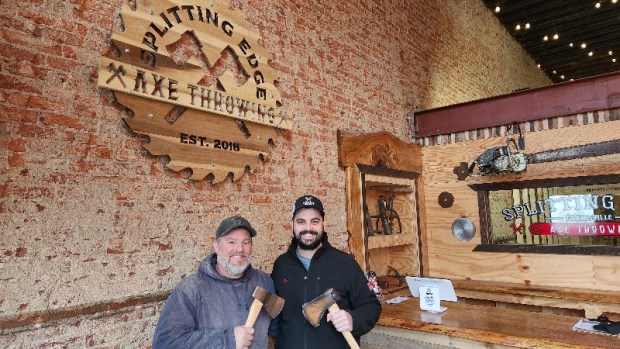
(422, 218)
(403, 258)
(355, 215)
(606, 272)
(448, 257)
(526, 269)
(378, 260)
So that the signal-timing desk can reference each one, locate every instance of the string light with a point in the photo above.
(556, 36)
(598, 5)
(545, 38)
(497, 9)
(590, 53)
(527, 26)
(518, 27)
(583, 45)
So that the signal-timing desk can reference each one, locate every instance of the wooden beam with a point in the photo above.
(580, 96)
(43, 317)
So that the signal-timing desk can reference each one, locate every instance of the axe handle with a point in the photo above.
(347, 334)
(254, 311)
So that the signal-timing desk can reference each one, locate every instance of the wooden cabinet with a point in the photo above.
(380, 169)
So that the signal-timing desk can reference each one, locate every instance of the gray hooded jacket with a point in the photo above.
(205, 307)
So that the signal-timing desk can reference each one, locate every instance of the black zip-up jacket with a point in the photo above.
(330, 268)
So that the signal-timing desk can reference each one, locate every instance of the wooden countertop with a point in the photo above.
(514, 328)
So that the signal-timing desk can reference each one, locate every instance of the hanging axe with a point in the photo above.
(314, 310)
(263, 299)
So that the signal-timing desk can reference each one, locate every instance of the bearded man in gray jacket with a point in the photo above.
(209, 308)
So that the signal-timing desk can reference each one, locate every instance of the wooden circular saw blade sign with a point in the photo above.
(217, 127)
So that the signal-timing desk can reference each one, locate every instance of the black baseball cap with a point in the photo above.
(308, 201)
(234, 222)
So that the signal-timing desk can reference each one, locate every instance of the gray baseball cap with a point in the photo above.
(234, 222)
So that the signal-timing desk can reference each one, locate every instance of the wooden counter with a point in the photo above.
(490, 327)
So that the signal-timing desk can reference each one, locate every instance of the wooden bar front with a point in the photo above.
(487, 327)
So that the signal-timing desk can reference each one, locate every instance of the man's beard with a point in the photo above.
(308, 246)
(234, 270)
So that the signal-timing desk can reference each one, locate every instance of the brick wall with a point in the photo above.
(88, 217)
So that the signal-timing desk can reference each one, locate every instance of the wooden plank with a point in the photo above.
(181, 93)
(203, 157)
(494, 326)
(380, 149)
(563, 293)
(355, 216)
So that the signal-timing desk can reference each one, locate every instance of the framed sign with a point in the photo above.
(573, 215)
(198, 83)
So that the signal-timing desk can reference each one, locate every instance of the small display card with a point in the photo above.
(429, 299)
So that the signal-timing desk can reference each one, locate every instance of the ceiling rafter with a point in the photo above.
(576, 22)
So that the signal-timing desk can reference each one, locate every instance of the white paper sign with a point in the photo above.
(429, 299)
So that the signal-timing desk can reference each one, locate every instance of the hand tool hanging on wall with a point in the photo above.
(386, 225)
(504, 159)
(370, 230)
(508, 159)
(387, 215)
(576, 152)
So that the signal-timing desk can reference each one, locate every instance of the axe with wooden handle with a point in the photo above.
(314, 310)
(263, 299)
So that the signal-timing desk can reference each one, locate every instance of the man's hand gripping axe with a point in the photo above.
(263, 299)
(314, 310)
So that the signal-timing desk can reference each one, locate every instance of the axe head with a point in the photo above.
(314, 310)
(271, 303)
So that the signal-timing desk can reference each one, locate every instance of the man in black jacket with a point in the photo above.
(309, 267)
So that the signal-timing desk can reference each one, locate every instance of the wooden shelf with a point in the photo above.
(381, 181)
(381, 241)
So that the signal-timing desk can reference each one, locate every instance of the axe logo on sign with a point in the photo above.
(199, 85)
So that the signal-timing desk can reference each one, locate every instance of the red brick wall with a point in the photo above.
(89, 217)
